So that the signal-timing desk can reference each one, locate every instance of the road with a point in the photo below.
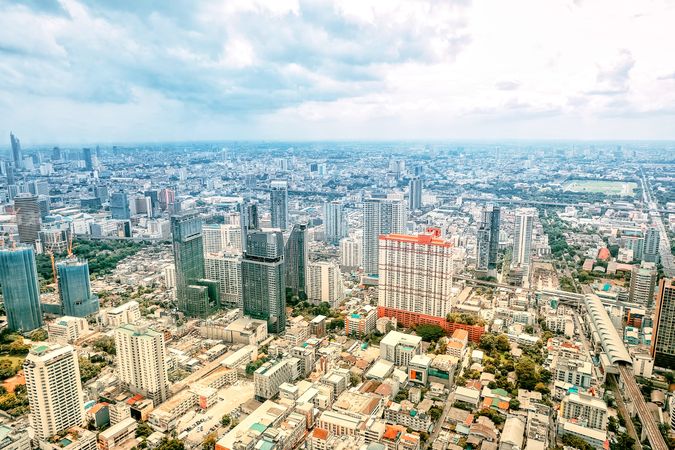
(648, 423)
(667, 260)
(623, 410)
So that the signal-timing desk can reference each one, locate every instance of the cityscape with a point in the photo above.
(343, 292)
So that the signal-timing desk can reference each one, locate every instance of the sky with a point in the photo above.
(133, 70)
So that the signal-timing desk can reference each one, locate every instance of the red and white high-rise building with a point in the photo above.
(415, 273)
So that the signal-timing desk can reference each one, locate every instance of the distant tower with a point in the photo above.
(350, 252)
(248, 219)
(651, 248)
(20, 290)
(324, 283)
(279, 204)
(380, 216)
(335, 221)
(487, 241)
(17, 154)
(88, 159)
(296, 259)
(141, 361)
(643, 283)
(263, 279)
(663, 342)
(415, 194)
(119, 206)
(225, 269)
(54, 389)
(28, 217)
(75, 289)
(522, 240)
(196, 296)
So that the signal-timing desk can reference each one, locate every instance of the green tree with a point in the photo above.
(7, 369)
(226, 420)
(105, 344)
(429, 333)
(577, 442)
(143, 430)
(487, 342)
(39, 335)
(527, 373)
(502, 343)
(171, 444)
(209, 442)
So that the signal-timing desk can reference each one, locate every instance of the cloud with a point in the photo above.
(129, 70)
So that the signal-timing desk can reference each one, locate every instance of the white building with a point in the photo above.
(222, 238)
(225, 268)
(350, 252)
(141, 361)
(522, 239)
(415, 273)
(270, 376)
(128, 312)
(67, 329)
(54, 389)
(380, 216)
(399, 348)
(589, 411)
(324, 283)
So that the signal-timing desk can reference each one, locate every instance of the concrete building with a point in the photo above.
(117, 434)
(54, 389)
(225, 269)
(141, 361)
(126, 313)
(350, 252)
(75, 293)
(279, 204)
(296, 260)
(487, 240)
(522, 240)
(399, 348)
(28, 218)
(335, 222)
(642, 284)
(415, 194)
(652, 244)
(415, 273)
(270, 376)
(663, 342)
(380, 216)
(361, 322)
(589, 411)
(324, 283)
(67, 329)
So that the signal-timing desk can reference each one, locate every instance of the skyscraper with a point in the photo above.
(88, 159)
(75, 289)
(20, 290)
(324, 283)
(296, 258)
(643, 283)
(225, 269)
(263, 279)
(652, 243)
(415, 193)
(141, 361)
(28, 218)
(415, 273)
(380, 216)
(17, 155)
(522, 240)
(54, 389)
(248, 219)
(335, 221)
(663, 342)
(350, 252)
(196, 296)
(119, 206)
(279, 204)
(487, 241)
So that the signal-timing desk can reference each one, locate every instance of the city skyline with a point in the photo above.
(362, 70)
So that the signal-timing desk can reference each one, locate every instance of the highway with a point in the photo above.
(648, 424)
(664, 243)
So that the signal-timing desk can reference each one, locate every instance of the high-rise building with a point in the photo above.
(141, 361)
(75, 289)
(642, 284)
(416, 273)
(335, 221)
(119, 206)
(225, 269)
(380, 216)
(56, 154)
(263, 279)
(324, 283)
(167, 199)
(248, 220)
(20, 289)
(279, 204)
(663, 342)
(522, 239)
(54, 389)
(487, 241)
(17, 155)
(196, 295)
(28, 218)
(350, 252)
(589, 411)
(415, 193)
(88, 159)
(296, 258)
(652, 243)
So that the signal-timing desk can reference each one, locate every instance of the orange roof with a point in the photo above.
(422, 239)
(455, 344)
(604, 254)
(134, 399)
(460, 334)
(320, 433)
(94, 409)
(392, 432)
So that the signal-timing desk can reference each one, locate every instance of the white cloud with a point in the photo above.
(95, 70)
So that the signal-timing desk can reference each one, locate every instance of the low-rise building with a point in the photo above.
(117, 434)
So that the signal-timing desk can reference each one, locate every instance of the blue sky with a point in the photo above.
(114, 71)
